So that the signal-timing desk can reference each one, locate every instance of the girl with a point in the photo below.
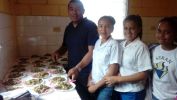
(130, 83)
(164, 59)
(106, 59)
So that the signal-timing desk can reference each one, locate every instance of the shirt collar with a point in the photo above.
(131, 43)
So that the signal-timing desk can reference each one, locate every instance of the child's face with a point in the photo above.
(131, 30)
(165, 34)
(105, 28)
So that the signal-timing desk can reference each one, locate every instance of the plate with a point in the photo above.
(57, 70)
(12, 84)
(21, 69)
(36, 70)
(33, 82)
(41, 75)
(16, 75)
(65, 86)
(57, 79)
(41, 90)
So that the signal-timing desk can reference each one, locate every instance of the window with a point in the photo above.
(94, 9)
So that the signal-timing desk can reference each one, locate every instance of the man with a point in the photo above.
(79, 39)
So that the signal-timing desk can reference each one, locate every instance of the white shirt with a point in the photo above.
(104, 55)
(164, 73)
(136, 58)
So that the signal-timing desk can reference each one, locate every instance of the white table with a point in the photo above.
(56, 95)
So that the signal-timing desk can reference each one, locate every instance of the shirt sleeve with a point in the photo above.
(116, 53)
(143, 59)
(64, 38)
(92, 34)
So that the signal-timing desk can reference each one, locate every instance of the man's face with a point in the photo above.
(75, 12)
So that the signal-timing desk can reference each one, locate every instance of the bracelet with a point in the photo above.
(78, 68)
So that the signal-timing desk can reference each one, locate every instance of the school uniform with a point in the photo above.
(104, 54)
(136, 58)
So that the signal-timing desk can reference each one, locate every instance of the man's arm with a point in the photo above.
(58, 53)
(73, 73)
(86, 59)
(62, 50)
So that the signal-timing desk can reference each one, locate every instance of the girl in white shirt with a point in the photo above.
(106, 59)
(164, 59)
(130, 83)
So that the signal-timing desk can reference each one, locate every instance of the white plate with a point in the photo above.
(51, 83)
(56, 71)
(45, 93)
(10, 75)
(72, 84)
(30, 85)
(47, 76)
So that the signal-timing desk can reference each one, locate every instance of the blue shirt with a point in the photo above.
(77, 39)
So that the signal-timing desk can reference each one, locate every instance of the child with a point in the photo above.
(106, 59)
(130, 83)
(164, 59)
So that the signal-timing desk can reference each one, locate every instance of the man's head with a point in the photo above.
(75, 10)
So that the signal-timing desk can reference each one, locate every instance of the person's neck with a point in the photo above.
(169, 47)
(75, 23)
(104, 40)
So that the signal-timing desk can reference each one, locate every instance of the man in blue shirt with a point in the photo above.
(79, 39)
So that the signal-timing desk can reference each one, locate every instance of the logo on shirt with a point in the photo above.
(160, 69)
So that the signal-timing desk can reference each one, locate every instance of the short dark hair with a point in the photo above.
(76, 1)
(110, 18)
(172, 22)
(137, 20)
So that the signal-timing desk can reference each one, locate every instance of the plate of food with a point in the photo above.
(41, 75)
(52, 63)
(63, 60)
(16, 75)
(21, 69)
(57, 79)
(19, 66)
(12, 84)
(33, 82)
(38, 64)
(65, 86)
(57, 70)
(36, 70)
(42, 89)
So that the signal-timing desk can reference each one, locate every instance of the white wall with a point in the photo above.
(37, 34)
(8, 50)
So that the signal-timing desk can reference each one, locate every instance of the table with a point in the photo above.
(55, 95)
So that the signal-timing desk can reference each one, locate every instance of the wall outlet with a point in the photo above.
(56, 29)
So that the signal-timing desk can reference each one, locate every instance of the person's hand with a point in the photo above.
(73, 73)
(55, 56)
(92, 88)
(111, 80)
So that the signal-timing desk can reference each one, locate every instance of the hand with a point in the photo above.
(73, 73)
(111, 80)
(92, 88)
(55, 56)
